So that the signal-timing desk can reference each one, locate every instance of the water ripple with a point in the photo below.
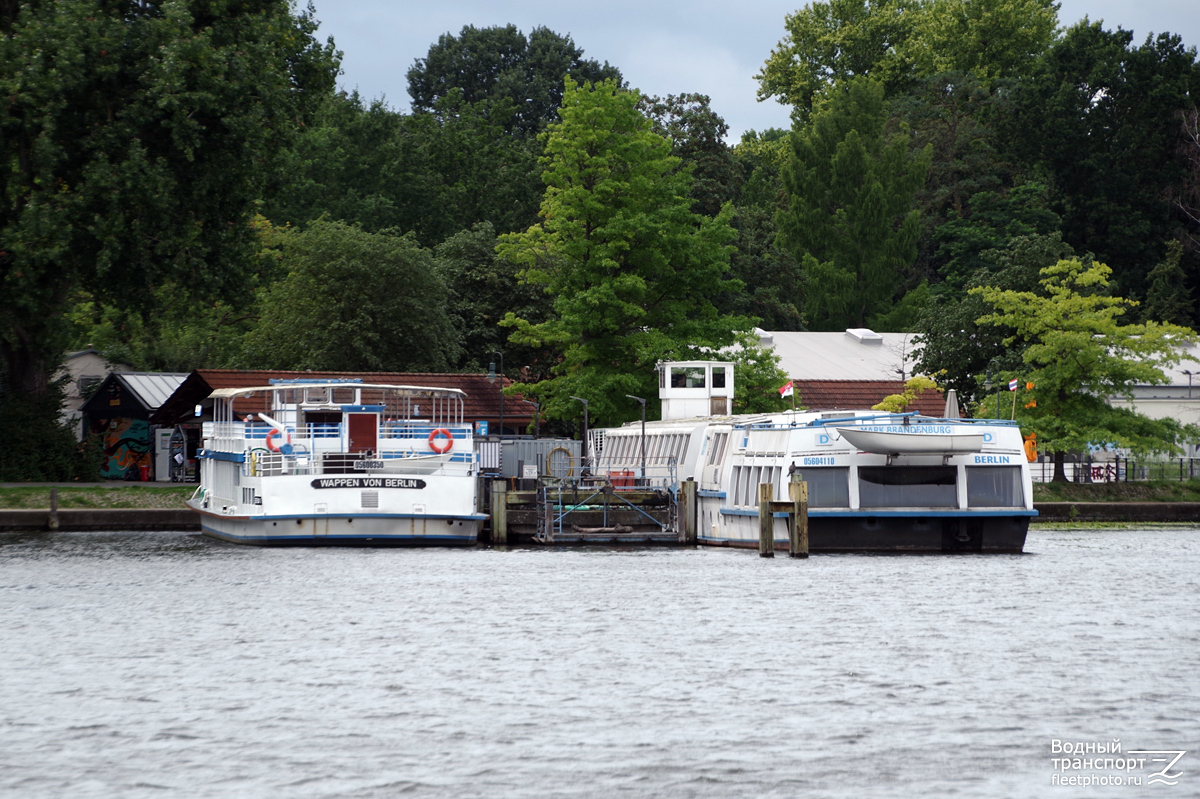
(144, 664)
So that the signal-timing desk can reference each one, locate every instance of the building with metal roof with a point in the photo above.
(119, 413)
(852, 370)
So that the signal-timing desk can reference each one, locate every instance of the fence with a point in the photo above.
(1119, 470)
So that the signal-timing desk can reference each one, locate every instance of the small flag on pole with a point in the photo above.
(1012, 384)
(787, 390)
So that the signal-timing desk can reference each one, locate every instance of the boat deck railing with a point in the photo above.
(402, 447)
(263, 463)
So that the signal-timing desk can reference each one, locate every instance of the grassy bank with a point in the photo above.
(1149, 491)
(119, 496)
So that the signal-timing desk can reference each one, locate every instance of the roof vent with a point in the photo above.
(864, 335)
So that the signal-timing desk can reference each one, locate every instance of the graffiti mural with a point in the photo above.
(126, 448)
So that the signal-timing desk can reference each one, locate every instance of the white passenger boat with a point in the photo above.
(338, 463)
(876, 481)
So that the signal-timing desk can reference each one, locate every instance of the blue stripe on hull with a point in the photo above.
(344, 540)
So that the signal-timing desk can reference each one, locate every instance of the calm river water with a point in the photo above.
(165, 664)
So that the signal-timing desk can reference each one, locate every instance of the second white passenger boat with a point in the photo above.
(876, 481)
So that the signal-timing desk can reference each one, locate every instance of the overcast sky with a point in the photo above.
(661, 48)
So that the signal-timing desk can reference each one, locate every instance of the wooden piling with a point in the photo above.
(687, 512)
(766, 521)
(798, 529)
(52, 522)
(499, 513)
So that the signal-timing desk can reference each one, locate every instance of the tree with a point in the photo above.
(483, 288)
(135, 139)
(757, 378)
(831, 42)
(499, 63)
(697, 135)
(430, 173)
(354, 301)
(953, 346)
(898, 42)
(773, 286)
(1101, 120)
(989, 39)
(1168, 299)
(851, 224)
(630, 268)
(1079, 356)
(913, 388)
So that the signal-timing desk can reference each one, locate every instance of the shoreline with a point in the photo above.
(106, 519)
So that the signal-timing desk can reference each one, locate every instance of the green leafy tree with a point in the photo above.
(773, 286)
(1168, 299)
(1079, 355)
(697, 135)
(430, 173)
(988, 38)
(500, 63)
(757, 379)
(354, 301)
(899, 42)
(483, 289)
(952, 345)
(135, 139)
(913, 388)
(630, 268)
(851, 224)
(835, 41)
(1101, 120)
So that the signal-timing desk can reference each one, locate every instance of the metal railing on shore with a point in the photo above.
(1119, 470)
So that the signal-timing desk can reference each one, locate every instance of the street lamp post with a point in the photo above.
(584, 462)
(642, 402)
(492, 377)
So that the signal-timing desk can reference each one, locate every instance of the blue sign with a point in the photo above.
(481, 428)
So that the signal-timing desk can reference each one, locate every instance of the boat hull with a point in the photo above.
(348, 530)
(902, 533)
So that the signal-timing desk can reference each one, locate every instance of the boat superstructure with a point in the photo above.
(876, 481)
(339, 463)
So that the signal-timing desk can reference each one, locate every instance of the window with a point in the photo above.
(827, 488)
(994, 487)
(718, 377)
(907, 487)
(687, 377)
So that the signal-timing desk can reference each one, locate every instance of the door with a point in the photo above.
(363, 431)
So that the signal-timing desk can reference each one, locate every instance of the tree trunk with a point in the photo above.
(1060, 470)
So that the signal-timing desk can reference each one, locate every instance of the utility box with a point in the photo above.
(689, 389)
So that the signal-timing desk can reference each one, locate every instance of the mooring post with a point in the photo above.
(766, 521)
(549, 518)
(499, 513)
(52, 522)
(687, 512)
(798, 531)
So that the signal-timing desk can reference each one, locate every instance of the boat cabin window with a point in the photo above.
(718, 377)
(323, 424)
(907, 487)
(994, 487)
(716, 453)
(687, 377)
(827, 487)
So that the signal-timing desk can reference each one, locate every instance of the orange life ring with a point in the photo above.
(287, 439)
(433, 442)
